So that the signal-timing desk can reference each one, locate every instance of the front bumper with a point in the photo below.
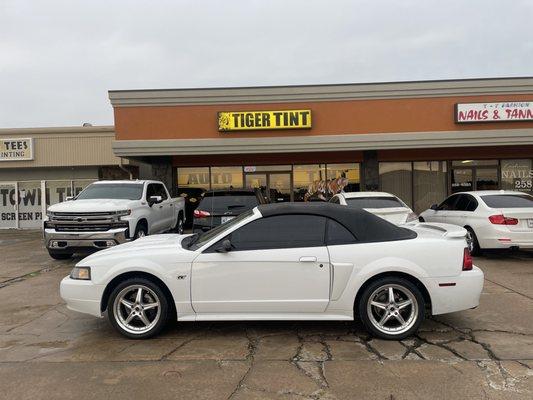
(81, 296)
(463, 295)
(65, 241)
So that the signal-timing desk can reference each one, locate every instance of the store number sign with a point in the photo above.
(16, 149)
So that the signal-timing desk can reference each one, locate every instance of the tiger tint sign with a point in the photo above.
(263, 120)
(16, 149)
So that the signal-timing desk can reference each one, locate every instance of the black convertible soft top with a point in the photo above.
(366, 227)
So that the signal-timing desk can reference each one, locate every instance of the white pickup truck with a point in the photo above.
(107, 213)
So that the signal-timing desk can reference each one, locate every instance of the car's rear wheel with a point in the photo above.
(472, 242)
(138, 308)
(180, 226)
(391, 308)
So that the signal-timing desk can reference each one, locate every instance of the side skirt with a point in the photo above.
(266, 317)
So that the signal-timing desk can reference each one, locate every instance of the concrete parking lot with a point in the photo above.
(47, 351)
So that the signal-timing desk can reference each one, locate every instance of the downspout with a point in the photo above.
(125, 169)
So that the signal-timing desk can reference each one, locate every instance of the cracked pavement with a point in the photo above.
(47, 351)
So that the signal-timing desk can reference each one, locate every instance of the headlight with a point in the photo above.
(122, 213)
(83, 273)
(49, 213)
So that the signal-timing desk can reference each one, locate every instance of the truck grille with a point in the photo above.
(85, 222)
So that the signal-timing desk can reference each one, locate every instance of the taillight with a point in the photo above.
(201, 214)
(467, 260)
(502, 220)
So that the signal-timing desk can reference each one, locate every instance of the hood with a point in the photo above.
(96, 205)
(148, 245)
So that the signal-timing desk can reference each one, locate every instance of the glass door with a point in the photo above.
(8, 205)
(462, 180)
(275, 186)
(487, 179)
(279, 187)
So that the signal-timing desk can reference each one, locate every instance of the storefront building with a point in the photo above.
(418, 140)
(43, 166)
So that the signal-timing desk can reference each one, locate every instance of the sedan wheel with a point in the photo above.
(138, 308)
(392, 308)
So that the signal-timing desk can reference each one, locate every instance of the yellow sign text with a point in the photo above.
(261, 120)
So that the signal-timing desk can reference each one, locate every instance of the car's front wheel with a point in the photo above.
(138, 308)
(391, 308)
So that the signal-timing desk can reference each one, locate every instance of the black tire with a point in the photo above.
(473, 243)
(140, 231)
(417, 311)
(180, 226)
(59, 256)
(164, 310)
(420, 219)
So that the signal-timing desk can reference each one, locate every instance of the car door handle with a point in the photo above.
(308, 259)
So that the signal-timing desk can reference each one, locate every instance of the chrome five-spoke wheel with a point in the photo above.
(138, 308)
(391, 308)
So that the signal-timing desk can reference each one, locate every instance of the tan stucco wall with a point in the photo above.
(65, 146)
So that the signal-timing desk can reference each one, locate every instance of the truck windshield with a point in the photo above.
(120, 191)
(374, 202)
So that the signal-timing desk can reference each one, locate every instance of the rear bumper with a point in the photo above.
(64, 241)
(501, 237)
(463, 295)
(81, 296)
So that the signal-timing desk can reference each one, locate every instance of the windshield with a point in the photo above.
(228, 202)
(508, 201)
(120, 191)
(199, 239)
(374, 202)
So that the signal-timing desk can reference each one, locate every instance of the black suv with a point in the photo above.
(219, 206)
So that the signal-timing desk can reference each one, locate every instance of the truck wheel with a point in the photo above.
(140, 231)
(179, 225)
(138, 308)
(391, 308)
(59, 256)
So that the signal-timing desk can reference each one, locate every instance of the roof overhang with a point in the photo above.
(349, 142)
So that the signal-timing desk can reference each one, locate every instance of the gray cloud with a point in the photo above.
(59, 58)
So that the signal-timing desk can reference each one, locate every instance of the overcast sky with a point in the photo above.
(59, 58)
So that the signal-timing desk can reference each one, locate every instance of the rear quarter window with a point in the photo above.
(508, 201)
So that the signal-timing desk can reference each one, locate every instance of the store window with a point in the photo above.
(226, 178)
(193, 177)
(397, 178)
(517, 175)
(350, 171)
(429, 184)
(304, 176)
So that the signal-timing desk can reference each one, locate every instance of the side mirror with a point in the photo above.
(154, 200)
(224, 247)
(434, 207)
(68, 198)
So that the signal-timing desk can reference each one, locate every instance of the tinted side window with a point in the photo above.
(335, 200)
(338, 234)
(160, 191)
(448, 203)
(462, 203)
(150, 191)
(280, 232)
(472, 204)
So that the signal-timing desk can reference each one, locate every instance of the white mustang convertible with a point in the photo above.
(286, 261)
